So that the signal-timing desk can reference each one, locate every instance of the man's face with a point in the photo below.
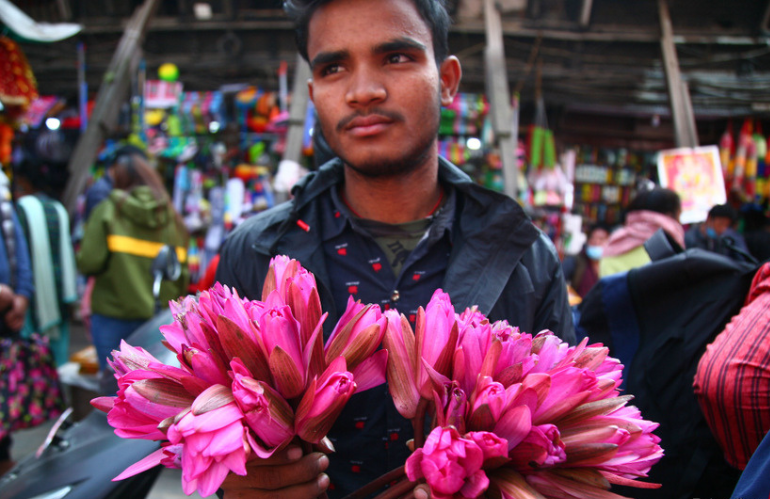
(719, 224)
(376, 86)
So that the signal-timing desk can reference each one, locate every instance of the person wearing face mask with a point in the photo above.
(582, 270)
(717, 234)
(649, 211)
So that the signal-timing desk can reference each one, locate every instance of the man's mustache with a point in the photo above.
(391, 115)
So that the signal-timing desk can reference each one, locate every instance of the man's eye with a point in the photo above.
(330, 69)
(397, 58)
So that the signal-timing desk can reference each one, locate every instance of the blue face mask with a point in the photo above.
(594, 252)
(711, 233)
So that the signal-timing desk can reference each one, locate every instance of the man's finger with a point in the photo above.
(309, 490)
(262, 476)
(422, 492)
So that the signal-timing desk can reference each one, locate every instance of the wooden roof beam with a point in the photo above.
(585, 13)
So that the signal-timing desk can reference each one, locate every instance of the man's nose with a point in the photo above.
(366, 86)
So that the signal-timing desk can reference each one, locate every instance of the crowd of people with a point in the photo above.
(380, 73)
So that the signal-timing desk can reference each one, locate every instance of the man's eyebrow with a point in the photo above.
(328, 57)
(398, 45)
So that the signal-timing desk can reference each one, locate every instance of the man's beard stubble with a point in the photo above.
(406, 163)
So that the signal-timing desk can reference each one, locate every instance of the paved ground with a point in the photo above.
(26, 442)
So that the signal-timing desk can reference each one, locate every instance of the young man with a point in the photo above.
(717, 234)
(388, 221)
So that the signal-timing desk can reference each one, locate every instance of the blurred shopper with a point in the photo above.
(98, 192)
(101, 189)
(658, 208)
(47, 229)
(16, 286)
(733, 377)
(122, 236)
(582, 270)
(717, 234)
(756, 232)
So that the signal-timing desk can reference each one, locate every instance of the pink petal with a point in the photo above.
(145, 464)
(514, 425)
(371, 372)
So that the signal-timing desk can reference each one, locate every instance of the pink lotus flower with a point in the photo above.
(357, 334)
(268, 414)
(488, 401)
(494, 447)
(323, 401)
(541, 448)
(450, 463)
(296, 287)
(280, 332)
(144, 401)
(214, 438)
(403, 366)
(451, 407)
(435, 336)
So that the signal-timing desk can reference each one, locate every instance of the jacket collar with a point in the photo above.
(491, 234)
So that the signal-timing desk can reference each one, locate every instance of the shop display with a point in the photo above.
(745, 160)
(605, 181)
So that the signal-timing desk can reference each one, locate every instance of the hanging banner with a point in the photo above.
(696, 175)
(160, 94)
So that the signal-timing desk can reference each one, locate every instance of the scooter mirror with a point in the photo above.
(165, 266)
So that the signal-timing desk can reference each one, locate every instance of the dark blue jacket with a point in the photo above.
(500, 261)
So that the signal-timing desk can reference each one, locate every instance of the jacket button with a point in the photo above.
(395, 296)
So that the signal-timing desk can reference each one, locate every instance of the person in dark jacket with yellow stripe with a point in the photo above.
(122, 236)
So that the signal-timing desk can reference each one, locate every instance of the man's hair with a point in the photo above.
(433, 12)
(658, 199)
(723, 211)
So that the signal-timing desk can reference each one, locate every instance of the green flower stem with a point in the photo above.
(378, 483)
(418, 424)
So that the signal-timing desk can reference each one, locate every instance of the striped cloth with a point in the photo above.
(732, 383)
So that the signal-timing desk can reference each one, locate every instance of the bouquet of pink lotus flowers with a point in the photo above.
(253, 376)
(512, 415)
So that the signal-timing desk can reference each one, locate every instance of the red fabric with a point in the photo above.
(733, 378)
(207, 281)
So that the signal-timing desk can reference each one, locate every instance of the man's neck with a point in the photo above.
(393, 200)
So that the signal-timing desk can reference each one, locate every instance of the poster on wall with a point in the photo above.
(696, 175)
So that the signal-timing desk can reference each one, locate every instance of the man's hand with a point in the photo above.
(286, 475)
(6, 297)
(14, 318)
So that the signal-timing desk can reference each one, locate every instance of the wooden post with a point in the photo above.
(686, 133)
(585, 13)
(497, 89)
(297, 111)
(65, 12)
(112, 93)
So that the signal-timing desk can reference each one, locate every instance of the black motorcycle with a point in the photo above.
(79, 460)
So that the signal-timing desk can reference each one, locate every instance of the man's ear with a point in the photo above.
(310, 88)
(450, 73)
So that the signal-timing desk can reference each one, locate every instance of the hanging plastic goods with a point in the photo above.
(761, 144)
(726, 149)
(750, 174)
(741, 154)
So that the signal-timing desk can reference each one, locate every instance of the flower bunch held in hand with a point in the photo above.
(253, 376)
(515, 416)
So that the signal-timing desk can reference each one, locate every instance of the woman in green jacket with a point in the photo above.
(122, 237)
